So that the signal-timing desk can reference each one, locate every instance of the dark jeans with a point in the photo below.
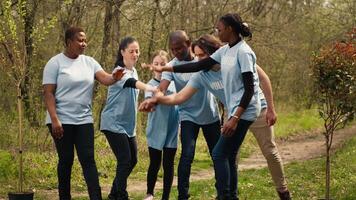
(188, 137)
(82, 138)
(168, 168)
(224, 156)
(125, 150)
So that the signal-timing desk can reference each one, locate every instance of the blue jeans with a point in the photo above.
(224, 158)
(188, 137)
(80, 137)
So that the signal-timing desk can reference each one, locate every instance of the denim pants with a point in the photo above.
(80, 137)
(224, 154)
(188, 136)
(125, 150)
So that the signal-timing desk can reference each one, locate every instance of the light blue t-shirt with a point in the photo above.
(119, 113)
(201, 107)
(234, 61)
(212, 80)
(74, 80)
(163, 123)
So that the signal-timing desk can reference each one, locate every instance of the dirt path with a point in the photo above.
(296, 148)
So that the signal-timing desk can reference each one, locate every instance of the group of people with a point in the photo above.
(180, 95)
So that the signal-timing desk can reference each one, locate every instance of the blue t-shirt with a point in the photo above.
(119, 113)
(234, 61)
(212, 80)
(201, 107)
(74, 80)
(163, 123)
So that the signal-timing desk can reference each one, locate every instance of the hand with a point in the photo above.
(57, 129)
(229, 127)
(117, 74)
(152, 67)
(158, 93)
(150, 88)
(148, 105)
(271, 117)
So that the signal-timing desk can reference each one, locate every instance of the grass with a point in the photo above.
(306, 180)
(40, 157)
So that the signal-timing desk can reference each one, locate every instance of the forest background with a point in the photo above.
(285, 35)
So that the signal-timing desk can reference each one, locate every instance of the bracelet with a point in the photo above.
(236, 117)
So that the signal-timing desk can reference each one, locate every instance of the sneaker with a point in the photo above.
(148, 197)
(284, 195)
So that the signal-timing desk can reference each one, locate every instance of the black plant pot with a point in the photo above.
(20, 195)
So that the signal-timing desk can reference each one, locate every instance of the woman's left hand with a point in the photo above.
(229, 127)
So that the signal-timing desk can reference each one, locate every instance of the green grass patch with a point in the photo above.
(306, 180)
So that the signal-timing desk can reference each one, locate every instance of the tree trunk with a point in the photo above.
(328, 136)
(19, 109)
(29, 19)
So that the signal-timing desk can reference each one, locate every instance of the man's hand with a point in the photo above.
(148, 105)
(151, 67)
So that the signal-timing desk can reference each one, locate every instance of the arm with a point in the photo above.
(173, 99)
(50, 102)
(109, 79)
(265, 84)
(204, 64)
(133, 83)
(177, 98)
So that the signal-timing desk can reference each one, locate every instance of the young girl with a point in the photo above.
(118, 118)
(162, 130)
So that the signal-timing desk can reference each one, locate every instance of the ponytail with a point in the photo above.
(235, 21)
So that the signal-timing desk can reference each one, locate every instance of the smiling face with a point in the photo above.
(131, 54)
(77, 44)
(179, 48)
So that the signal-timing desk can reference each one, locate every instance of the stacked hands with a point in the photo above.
(149, 104)
(228, 127)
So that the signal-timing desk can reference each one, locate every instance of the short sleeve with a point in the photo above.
(167, 76)
(217, 55)
(50, 72)
(246, 61)
(195, 81)
(97, 67)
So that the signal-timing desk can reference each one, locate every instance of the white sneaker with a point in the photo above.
(148, 197)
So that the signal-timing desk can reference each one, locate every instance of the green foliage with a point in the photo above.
(334, 73)
(7, 166)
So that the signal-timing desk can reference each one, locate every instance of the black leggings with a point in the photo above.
(168, 168)
(125, 150)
